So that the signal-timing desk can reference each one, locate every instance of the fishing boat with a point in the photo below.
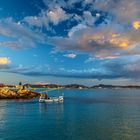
(43, 98)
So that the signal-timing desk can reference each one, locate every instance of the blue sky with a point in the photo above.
(70, 41)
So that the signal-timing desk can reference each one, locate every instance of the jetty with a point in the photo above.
(19, 92)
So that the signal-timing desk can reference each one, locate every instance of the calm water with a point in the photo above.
(84, 115)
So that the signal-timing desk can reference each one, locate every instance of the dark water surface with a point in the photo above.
(101, 114)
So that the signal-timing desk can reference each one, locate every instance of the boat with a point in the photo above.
(45, 99)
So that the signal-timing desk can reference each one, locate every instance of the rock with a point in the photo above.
(17, 94)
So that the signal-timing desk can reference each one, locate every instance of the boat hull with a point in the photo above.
(52, 99)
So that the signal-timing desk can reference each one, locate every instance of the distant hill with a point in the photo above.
(3, 85)
(74, 86)
(114, 86)
(56, 86)
(43, 86)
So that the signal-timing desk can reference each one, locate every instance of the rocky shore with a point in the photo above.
(17, 94)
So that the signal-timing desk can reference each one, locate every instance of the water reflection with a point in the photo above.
(43, 108)
(2, 114)
(86, 115)
(56, 108)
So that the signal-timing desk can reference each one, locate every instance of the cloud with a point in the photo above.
(71, 55)
(42, 83)
(53, 14)
(88, 1)
(75, 29)
(88, 18)
(19, 35)
(120, 10)
(38, 21)
(4, 61)
(106, 41)
(10, 44)
(36, 71)
(119, 68)
(110, 40)
(92, 59)
(136, 25)
(57, 15)
(69, 4)
(127, 68)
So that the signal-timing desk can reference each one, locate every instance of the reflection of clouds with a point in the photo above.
(121, 120)
(123, 130)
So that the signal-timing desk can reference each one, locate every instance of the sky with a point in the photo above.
(70, 41)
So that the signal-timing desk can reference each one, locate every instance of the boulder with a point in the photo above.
(17, 94)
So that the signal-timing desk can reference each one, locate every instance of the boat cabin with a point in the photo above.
(44, 96)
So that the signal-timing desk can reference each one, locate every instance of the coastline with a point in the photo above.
(24, 92)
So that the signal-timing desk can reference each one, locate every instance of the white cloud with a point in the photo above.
(76, 28)
(91, 59)
(54, 14)
(57, 15)
(71, 55)
(36, 21)
(88, 18)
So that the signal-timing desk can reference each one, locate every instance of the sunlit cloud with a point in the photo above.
(57, 14)
(42, 83)
(103, 42)
(136, 25)
(4, 61)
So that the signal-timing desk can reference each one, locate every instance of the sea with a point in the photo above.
(85, 114)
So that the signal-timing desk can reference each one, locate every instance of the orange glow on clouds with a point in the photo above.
(43, 83)
(4, 61)
(136, 25)
(121, 42)
(115, 35)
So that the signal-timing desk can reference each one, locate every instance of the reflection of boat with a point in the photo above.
(44, 98)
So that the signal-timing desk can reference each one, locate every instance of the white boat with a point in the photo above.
(42, 99)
